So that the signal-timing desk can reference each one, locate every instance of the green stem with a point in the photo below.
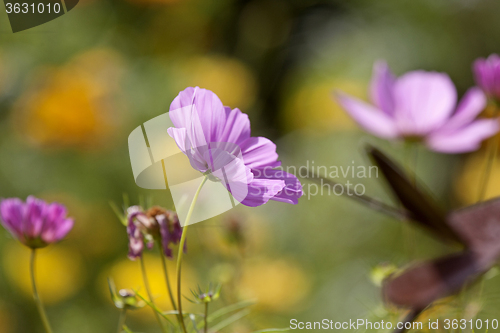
(167, 279)
(206, 317)
(411, 155)
(181, 251)
(121, 321)
(492, 153)
(148, 290)
(38, 302)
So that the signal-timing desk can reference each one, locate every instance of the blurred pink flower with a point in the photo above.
(421, 106)
(35, 223)
(487, 74)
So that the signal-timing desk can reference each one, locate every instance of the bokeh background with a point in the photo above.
(72, 90)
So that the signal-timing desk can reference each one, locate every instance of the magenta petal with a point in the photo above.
(423, 101)
(35, 217)
(487, 74)
(195, 106)
(11, 212)
(259, 152)
(371, 119)
(237, 127)
(381, 87)
(464, 140)
(56, 226)
(56, 234)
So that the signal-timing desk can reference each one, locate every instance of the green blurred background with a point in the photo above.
(72, 90)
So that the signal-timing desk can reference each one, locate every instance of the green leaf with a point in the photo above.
(230, 308)
(152, 306)
(272, 330)
(126, 329)
(230, 320)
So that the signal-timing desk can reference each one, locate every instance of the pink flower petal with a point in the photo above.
(371, 119)
(259, 152)
(381, 87)
(196, 106)
(423, 101)
(237, 127)
(471, 105)
(464, 140)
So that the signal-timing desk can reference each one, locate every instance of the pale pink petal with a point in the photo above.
(259, 152)
(423, 101)
(381, 87)
(370, 118)
(237, 127)
(471, 105)
(464, 140)
(199, 107)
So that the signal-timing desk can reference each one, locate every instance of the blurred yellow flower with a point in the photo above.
(229, 78)
(72, 105)
(278, 285)
(59, 272)
(255, 234)
(467, 186)
(127, 275)
(312, 105)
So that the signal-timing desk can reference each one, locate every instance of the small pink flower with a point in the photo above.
(422, 106)
(35, 223)
(487, 74)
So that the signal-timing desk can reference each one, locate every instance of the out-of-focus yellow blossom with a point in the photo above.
(73, 105)
(59, 271)
(7, 323)
(467, 187)
(380, 272)
(229, 78)
(254, 230)
(88, 216)
(278, 285)
(127, 275)
(313, 106)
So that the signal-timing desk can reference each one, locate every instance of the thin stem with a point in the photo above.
(121, 321)
(38, 302)
(492, 153)
(410, 318)
(181, 251)
(167, 279)
(411, 156)
(366, 200)
(206, 317)
(148, 290)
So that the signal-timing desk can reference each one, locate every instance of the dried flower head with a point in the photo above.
(156, 224)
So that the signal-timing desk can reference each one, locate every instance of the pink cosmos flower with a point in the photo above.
(422, 106)
(487, 74)
(218, 143)
(35, 223)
